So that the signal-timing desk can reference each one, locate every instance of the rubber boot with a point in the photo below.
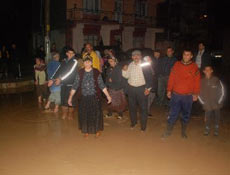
(71, 113)
(64, 112)
(183, 130)
(216, 131)
(168, 131)
(206, 131)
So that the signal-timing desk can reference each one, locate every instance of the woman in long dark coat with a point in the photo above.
(89, 84)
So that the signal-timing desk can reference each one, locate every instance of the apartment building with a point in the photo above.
(127, 23)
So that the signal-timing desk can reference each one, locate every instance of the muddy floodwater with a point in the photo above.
(33, 142)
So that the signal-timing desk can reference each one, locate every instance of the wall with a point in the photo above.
(105, 30)
(58, 37)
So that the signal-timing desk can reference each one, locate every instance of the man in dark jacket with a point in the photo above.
(139, 78)
(165, 65)
(65, 75)
(202, 57)
(156, 59)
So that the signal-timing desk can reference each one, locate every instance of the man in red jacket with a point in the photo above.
(183, 89)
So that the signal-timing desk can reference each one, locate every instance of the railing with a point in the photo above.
(78, 14)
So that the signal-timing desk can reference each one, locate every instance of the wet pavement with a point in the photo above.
(35, 142)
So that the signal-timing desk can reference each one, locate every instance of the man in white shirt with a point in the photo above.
(139, 78)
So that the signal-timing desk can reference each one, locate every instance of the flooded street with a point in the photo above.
(33, 142)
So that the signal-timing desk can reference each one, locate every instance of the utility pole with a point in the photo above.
(169, 20)
(47, 30)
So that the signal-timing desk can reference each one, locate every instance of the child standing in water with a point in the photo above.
(40, 79)
(55, 90)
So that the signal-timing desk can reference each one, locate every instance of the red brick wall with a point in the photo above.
(90, 29)
(128, 7)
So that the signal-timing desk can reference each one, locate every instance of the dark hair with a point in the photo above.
(70, 49)
(207, 66)
(88, 44)
(157, 50)
(109, 57)
(37, 58)
(202, 42)
(188, 50)
(170, 47)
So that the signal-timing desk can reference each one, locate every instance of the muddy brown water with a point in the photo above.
(36, 143)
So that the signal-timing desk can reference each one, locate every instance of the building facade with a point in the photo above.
(124, 23)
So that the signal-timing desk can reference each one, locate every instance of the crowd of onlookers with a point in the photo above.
(9, 62)
(164, 80)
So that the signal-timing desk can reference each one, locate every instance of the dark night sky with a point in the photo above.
(220, 12)
(17, 19)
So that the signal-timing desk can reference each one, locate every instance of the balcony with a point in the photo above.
(85, 15)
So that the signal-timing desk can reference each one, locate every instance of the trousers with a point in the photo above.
(136, 97)
(151, 97)
(180, 103)
(162, 90)
(208, 115)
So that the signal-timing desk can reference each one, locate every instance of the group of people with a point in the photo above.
(177, 84)
(9, 62)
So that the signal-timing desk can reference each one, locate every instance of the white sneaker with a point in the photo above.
(108, 116)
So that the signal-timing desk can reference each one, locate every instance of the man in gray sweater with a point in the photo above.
(211, 97)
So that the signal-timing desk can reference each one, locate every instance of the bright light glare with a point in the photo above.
(145, 64)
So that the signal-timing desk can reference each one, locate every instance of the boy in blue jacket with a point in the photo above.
(55, 91)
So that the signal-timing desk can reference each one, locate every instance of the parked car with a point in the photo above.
(217, 60)
(216, 57)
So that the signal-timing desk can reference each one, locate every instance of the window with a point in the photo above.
(141, 8)
(91, 6)
(118, 10)
(92, 39)
(138, 42)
